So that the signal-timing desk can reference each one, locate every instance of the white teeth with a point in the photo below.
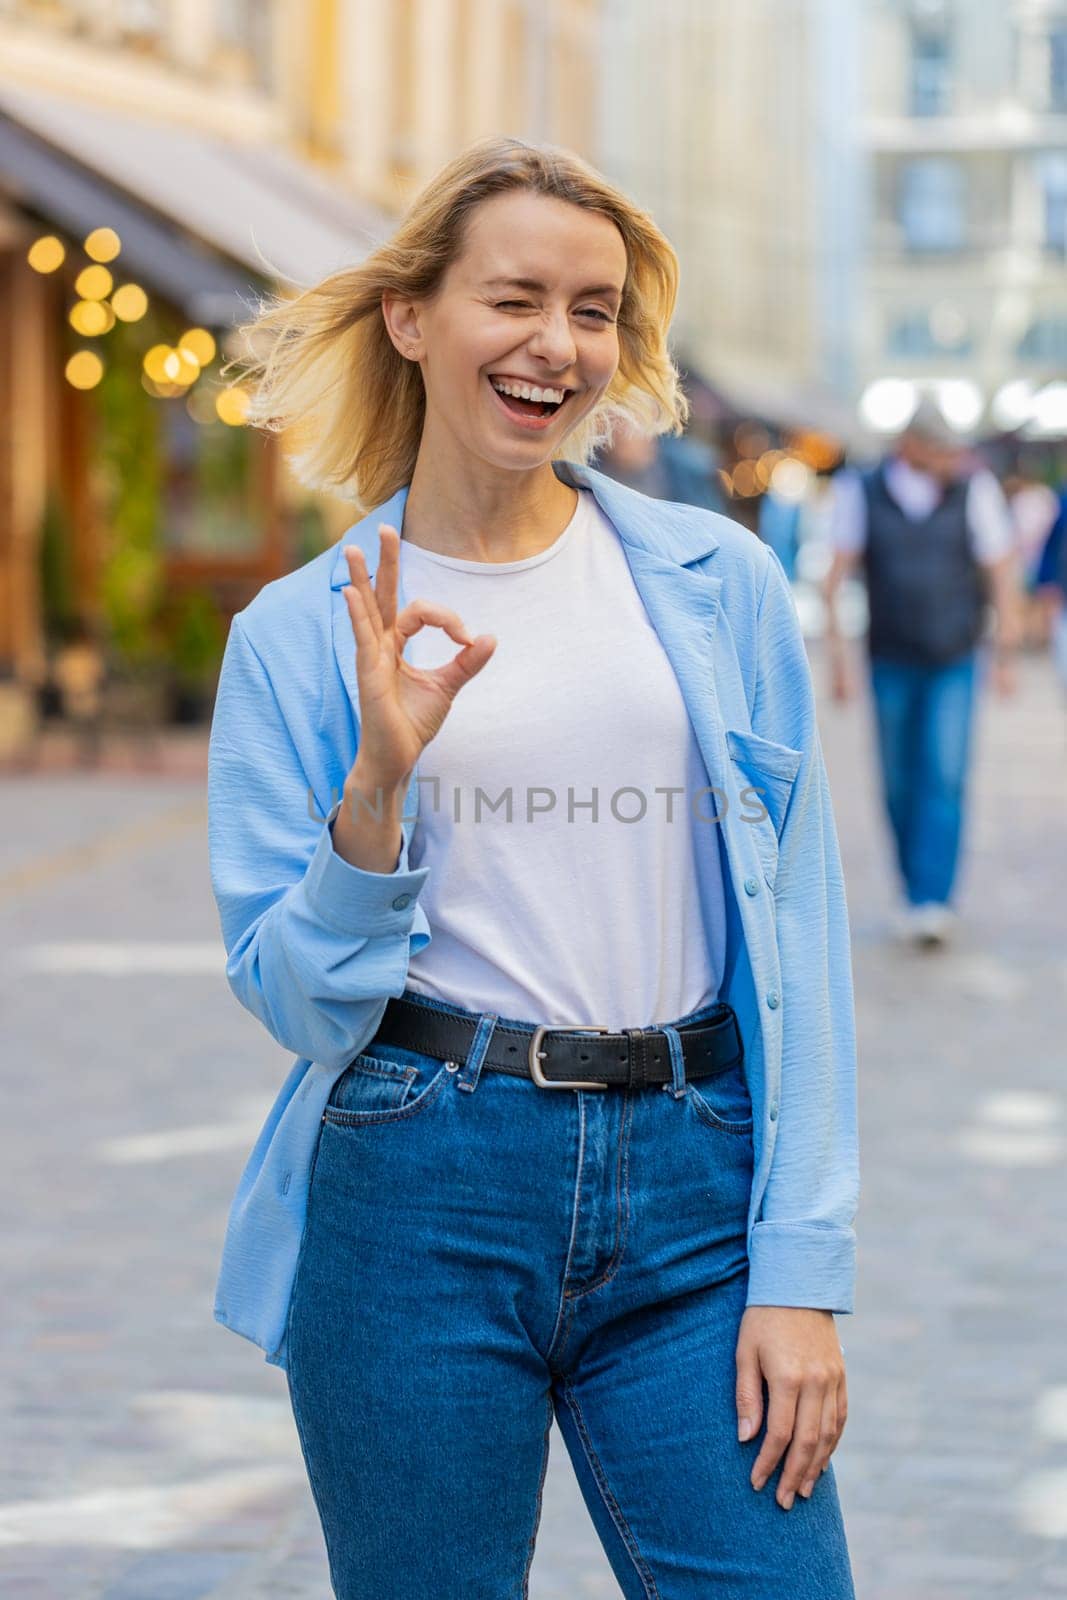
(527, 391)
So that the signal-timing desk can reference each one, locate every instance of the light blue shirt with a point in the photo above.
(316, 946)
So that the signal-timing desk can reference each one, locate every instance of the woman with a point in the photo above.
(606, 815)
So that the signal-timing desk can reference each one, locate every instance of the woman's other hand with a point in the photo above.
(798, 1353)
(401, 707)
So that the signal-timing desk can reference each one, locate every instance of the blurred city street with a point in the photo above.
(152, 1456)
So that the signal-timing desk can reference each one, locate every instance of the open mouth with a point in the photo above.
(535, 410)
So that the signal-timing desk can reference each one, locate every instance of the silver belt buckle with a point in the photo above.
(535, 1052)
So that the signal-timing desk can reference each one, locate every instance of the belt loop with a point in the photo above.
(674, 1045)
(472, 1070)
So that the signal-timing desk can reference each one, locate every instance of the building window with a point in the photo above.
(930, 77)
(933, 204)
(925, 334)
(1052, 171)
(1045, 340)
(1057, 68)
(142, 19)
(245, 40)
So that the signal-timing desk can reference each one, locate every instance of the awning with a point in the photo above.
(202, 219)
(798, 406)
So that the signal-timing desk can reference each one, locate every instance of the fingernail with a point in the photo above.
(757, 1483)
(807, 1488)
(744, 1429)
(787, 1503)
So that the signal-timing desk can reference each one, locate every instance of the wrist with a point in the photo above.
(364, 783)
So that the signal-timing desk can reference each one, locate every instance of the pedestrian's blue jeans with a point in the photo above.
(481, 1254)
(924, 717)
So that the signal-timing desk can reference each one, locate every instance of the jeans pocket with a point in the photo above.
(723, 1101)
(384, 1084)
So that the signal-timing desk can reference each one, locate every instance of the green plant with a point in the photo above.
(59, 608)
(129, 482)
(196, 634)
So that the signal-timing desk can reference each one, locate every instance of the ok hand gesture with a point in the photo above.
(401, 707)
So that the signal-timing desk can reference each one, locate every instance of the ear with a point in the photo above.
(401, 319)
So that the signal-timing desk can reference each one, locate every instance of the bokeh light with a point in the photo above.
(47, 253)
(231, 404)
(94, 283)
(129, 302)
(84, 369)
(103, 244)
(92, 317)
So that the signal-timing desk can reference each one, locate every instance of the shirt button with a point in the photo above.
(401, 902)
(774, 999)
(773, 1113)
(751, 886)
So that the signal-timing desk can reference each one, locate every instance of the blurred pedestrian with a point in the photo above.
(678, 468)
(1050, 582)
(930, 529)
(779, 525)
(1034, 508)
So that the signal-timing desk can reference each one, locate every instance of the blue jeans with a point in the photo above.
(924, 717)
(481, 1255)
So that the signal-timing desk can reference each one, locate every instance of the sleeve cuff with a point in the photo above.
(802, 1264)
(358, 903)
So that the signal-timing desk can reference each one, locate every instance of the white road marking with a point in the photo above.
(120, 959)
(140, 1148)
(1042, 1504)
(142, 1518)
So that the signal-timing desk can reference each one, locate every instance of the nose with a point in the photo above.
(553, 342)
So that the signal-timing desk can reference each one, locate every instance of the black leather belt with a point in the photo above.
(568, 1056)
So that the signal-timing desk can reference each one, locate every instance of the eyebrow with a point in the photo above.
(537, 286)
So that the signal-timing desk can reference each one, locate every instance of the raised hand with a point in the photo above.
(401, 707)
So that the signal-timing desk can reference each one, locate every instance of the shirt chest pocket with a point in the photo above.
(765, 772)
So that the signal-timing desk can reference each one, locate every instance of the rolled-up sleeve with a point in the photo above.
(315, 946)
(803, 1245)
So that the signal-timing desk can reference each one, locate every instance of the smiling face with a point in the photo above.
(531, 302)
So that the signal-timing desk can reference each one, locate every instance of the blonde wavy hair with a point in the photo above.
(321, 366)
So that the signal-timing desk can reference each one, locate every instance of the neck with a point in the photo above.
(482, 513)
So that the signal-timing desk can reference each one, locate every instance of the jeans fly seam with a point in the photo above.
(622, 1211)
(574, 1228)
(641, 1566)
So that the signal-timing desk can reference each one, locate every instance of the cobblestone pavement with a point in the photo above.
(151, 1455)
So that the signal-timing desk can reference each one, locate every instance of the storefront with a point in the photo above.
(135, 507)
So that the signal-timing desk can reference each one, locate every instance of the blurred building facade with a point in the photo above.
(229, 146)
(863, 194)
(964, 135)
(735, 126)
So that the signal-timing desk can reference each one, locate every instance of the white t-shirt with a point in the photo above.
(549, 915)
(917, 493)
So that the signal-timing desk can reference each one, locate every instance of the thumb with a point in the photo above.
(749, 1392)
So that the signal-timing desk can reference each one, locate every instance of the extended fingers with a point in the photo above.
(385, 579)
(362, 626)
(360, 581)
